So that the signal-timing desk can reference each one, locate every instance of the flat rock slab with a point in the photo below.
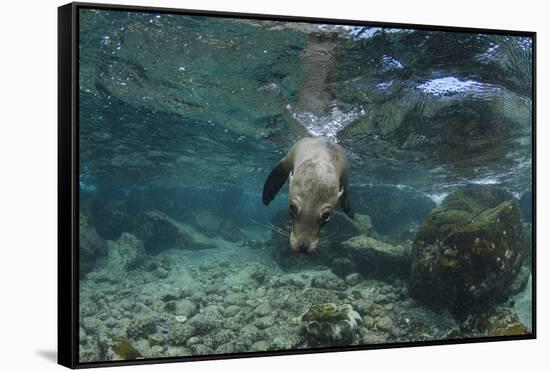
(370, 253)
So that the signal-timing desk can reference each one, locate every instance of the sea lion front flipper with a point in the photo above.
(345, 204)
(275, 181)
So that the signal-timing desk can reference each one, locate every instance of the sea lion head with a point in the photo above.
(313, 194)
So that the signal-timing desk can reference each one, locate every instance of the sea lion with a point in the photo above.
(318, 172)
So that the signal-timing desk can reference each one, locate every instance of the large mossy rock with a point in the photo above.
(469, 250)
(91, 245)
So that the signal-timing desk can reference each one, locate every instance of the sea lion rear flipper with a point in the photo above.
(346, 205)
(274, 182)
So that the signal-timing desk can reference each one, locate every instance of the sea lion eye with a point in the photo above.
(325, 217)
(293, 210)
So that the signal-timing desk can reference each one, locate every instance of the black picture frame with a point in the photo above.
(68, 178)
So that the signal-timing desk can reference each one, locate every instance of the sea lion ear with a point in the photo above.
(345, 204)
(274, 182)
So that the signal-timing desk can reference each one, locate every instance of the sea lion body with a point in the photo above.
(318, 173)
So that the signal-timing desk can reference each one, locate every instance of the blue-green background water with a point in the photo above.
(183, 117)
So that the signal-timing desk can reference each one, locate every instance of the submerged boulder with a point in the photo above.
(91, 245)
(329, 322)
(374, 256)
(111, 218)
(343, 267)
(214, 226)
(127, 252)
(142, 327)
(252, 275)
(160, 232)
(469, 250)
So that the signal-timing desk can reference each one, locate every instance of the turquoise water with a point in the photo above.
(183, 117)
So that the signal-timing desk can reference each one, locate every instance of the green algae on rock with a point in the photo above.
(469, 250)
(331, 322)
(117, 348)
(500, 321)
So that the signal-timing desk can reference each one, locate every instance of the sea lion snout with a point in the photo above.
(303, 245)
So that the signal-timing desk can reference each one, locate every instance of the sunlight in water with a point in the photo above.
(448, 85)
(328, 125)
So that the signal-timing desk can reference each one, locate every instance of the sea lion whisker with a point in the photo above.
(347, 235)
(278, 237)
(280, 234)
(335, 231)
(334, 239)
(258, 223)
(279, 229)
(329, 235)
(272, 227)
